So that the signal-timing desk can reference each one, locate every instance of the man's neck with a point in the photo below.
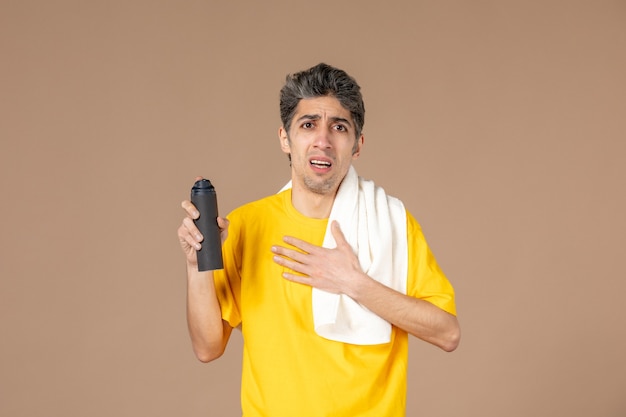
(310, 204)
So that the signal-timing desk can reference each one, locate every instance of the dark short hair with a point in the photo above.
(320, 81)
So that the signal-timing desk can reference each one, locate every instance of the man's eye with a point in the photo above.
(340, 128)
(307, 125)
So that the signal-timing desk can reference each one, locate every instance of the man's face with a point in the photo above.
(322, 144)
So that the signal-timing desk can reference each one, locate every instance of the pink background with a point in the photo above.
(501, 124)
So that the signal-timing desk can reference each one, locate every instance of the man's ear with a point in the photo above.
(358, 146)
(284, 140)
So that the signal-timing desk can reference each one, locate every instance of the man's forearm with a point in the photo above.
(417, 317)
(209, 333)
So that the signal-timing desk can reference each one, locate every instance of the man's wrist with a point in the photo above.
(359, 285)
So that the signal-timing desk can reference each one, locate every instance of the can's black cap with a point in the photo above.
(202, 185)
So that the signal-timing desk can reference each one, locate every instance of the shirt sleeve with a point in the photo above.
(426, 280)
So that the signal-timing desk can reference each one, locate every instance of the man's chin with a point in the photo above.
(321, 187)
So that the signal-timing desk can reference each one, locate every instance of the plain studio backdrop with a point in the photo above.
(501, 124)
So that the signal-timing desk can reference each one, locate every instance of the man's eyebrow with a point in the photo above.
(342, 120)
(309, 117)
(317, 117)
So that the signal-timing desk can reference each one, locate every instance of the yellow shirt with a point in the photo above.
(288, 370)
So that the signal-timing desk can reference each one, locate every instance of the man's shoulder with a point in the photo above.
(261, 207)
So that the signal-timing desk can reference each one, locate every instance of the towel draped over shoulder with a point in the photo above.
(374, 225)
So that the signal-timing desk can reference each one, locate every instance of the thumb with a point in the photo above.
(337, 233)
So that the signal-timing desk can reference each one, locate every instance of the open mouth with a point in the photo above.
(320, 164)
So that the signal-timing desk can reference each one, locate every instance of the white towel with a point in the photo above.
(375, 226)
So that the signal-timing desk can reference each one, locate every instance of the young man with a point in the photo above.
(326, 279)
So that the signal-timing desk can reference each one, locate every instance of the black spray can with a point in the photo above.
(204, 198)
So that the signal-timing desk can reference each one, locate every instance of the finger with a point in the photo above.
(292, 264)
(337, 232)
(300, 279)
(190, 209)
(300, 244)
(187, 239)
(223, 223)
(192, 230)
(291, 254)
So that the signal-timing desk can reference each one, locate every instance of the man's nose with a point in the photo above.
(323, 139)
